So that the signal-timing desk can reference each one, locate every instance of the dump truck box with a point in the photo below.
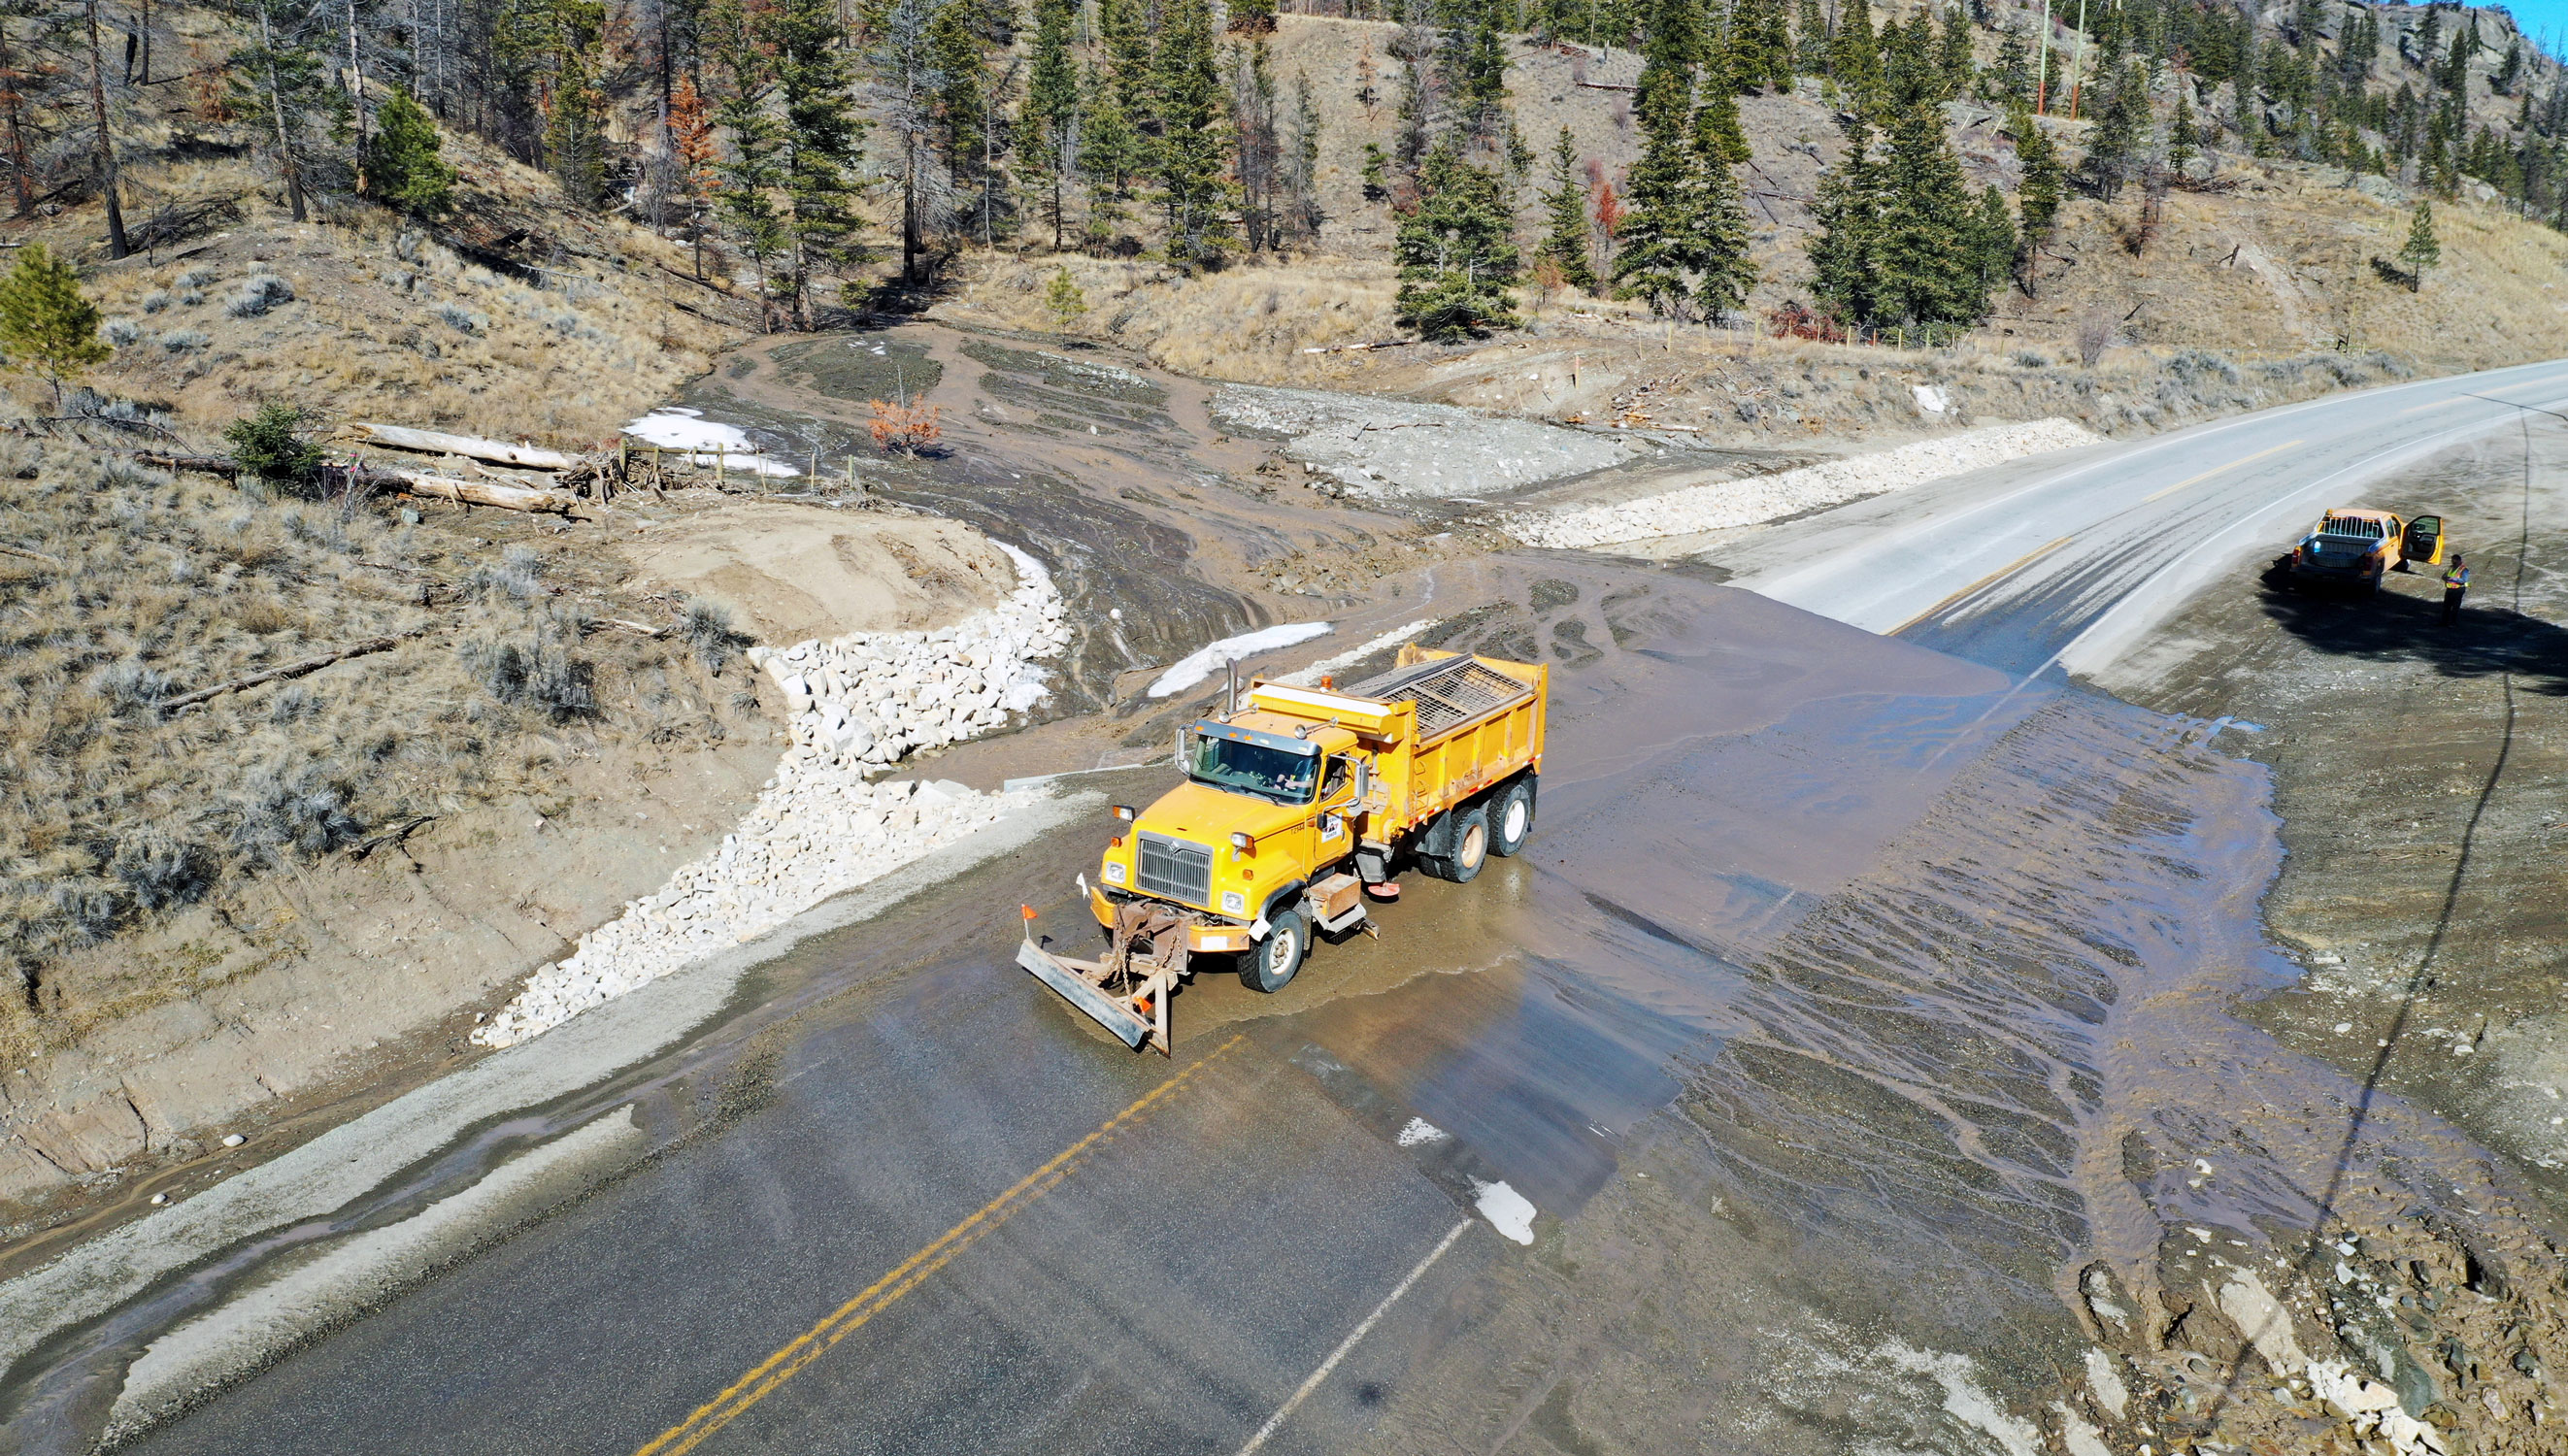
(1297, 796)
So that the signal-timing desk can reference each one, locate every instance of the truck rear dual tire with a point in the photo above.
(1271, 964)
(1470, 841)
(1511, 819)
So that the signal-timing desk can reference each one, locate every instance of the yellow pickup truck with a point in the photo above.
(1298, 804)
(2360, 548)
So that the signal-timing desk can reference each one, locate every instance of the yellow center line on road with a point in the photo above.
(879, 1295)
(2434, 405)
(2216, 469)
(2012, 567)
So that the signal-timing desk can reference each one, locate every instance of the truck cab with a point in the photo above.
(1297, 802)
(1268, 801)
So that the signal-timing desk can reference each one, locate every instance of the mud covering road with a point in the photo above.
(1857, 1029)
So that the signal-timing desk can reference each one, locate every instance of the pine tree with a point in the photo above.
(401, 167)
(823, 147)
(1377, 172)
(1954, 57)
(1064, 301)
(1757, 48)
(1110, 148)
(1192, 149)
(1993, 241)
(1810, 42)
(1926, 254)
(1854, 55)
(2121, 133)
(1650, 262)
(1564, 208)
(47, 324)
(2038, 199)
(2010, 80)
(1302, 217)
(2419, 252)
(1051, 112)
(575, 126)
(2247, 110)
(2182, 145)
(694, 151)
(1715, 246)
(751, 172)
(1849, 212)
(1455, 250)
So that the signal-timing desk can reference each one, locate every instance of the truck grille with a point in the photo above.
(1175, 869)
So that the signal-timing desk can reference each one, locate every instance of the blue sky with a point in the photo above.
(2540, 18)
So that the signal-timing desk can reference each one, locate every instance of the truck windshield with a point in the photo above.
(1254, 769)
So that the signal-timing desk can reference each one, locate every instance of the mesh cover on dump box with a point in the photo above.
(1448, 692)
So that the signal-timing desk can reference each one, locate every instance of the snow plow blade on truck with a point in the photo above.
(1298, 804)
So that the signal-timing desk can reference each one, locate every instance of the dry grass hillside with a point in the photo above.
(2275, 265)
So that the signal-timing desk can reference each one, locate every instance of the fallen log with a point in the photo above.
(471, 447)
(477, 492)
(221, 465)
(290, 670)
(30, 555)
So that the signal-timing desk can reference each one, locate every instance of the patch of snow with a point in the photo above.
(1200, 663)
(1310, 677)
(1420, 1130)
(1506, 1210)
(709, 442)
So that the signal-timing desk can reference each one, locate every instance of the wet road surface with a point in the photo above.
(1851, 999)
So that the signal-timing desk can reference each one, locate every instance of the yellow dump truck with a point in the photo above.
(1298, 804)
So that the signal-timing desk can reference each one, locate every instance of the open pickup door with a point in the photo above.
(2422, 545)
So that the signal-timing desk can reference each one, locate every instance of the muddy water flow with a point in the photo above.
(1922, 976)
(1857, 1020)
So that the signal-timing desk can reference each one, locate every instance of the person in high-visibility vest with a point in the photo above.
(2456, 585)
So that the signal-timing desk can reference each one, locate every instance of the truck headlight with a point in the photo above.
(1113, 873)
(1233, 903)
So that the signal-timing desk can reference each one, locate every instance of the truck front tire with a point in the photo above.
(1270, 965)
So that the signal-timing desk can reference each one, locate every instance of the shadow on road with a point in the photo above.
(2391, 627)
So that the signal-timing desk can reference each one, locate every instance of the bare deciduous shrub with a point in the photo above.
(2095, 335)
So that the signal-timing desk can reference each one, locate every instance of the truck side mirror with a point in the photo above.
(1180, 759)
(1364, 782)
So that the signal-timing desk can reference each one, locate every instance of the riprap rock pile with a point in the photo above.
(821, 828)
(869, 697)
(1728, 504)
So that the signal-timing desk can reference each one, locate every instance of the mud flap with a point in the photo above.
(1100, 1007)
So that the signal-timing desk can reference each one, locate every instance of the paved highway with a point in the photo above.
(2064, 561)
(893, 1198)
